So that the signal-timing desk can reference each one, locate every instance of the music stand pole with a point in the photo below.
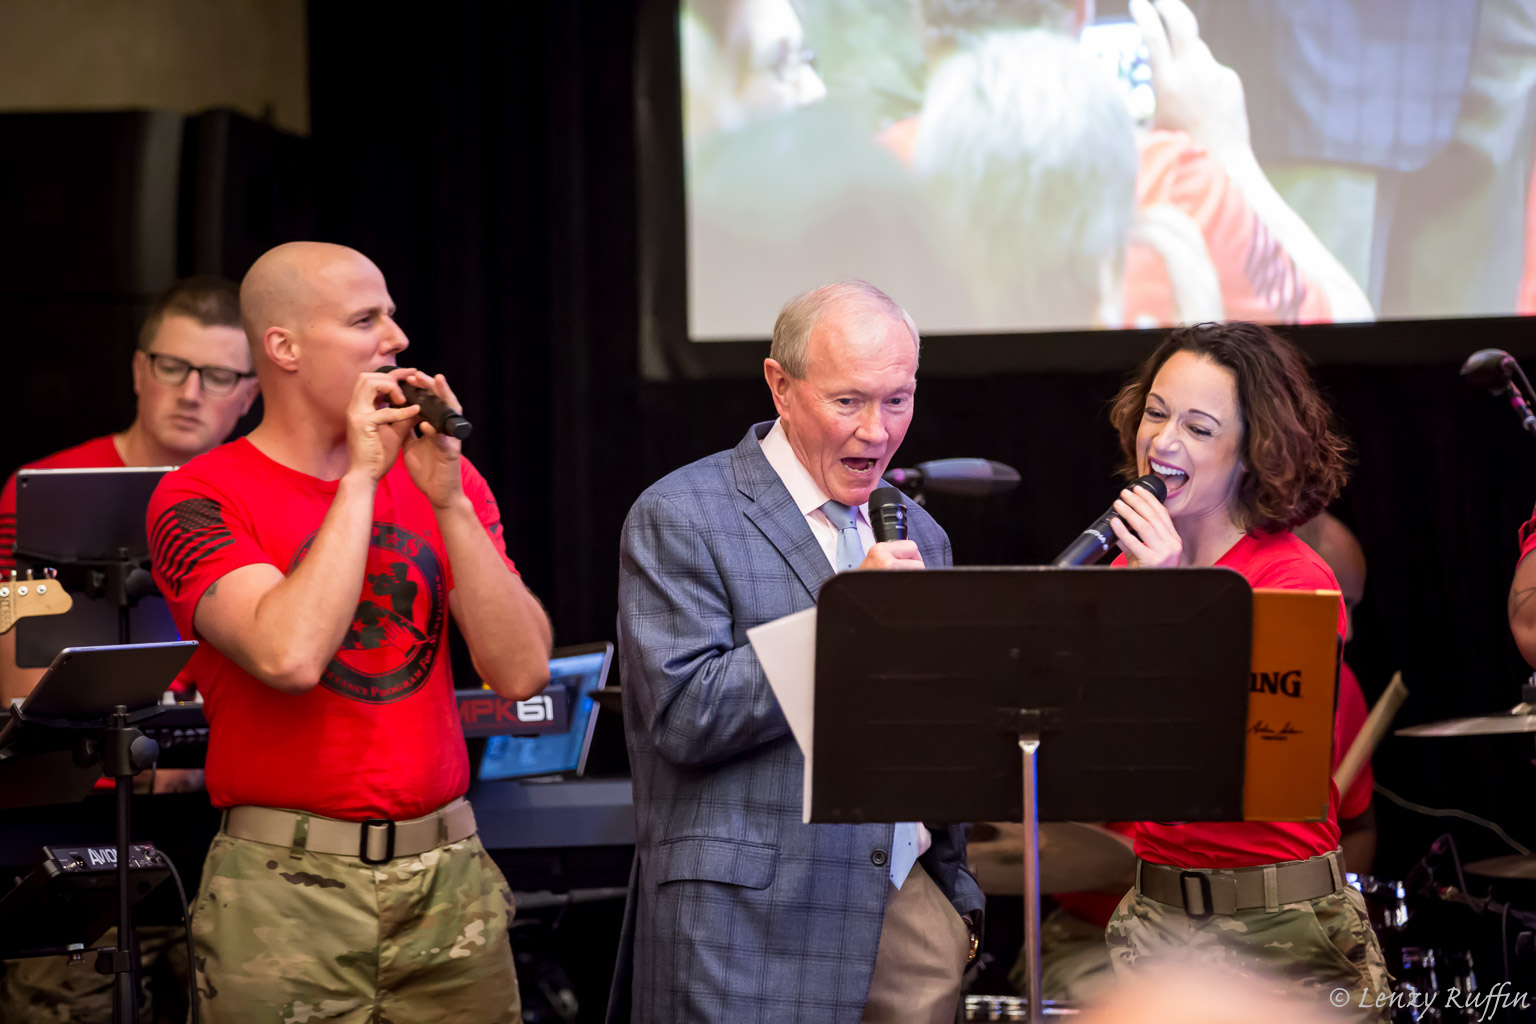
(1029, 746)
(124, 751)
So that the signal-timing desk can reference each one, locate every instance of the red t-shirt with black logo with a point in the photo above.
(1278, 561)
(380, 736)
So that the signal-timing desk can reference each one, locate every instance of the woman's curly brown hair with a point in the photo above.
(1294, 463)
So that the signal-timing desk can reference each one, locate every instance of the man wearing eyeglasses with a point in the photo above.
(192, 374)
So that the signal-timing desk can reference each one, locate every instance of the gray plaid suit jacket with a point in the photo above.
(737, 910)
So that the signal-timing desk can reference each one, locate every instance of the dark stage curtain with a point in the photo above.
(485, 156)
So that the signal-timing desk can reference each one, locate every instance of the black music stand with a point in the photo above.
(78, 723)
(1126, 691)
(89, 524)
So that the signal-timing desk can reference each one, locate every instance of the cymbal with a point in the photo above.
(1074, 857)
(1520, 718)
(1514, 866)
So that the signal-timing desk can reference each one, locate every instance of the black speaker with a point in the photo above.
(88, 204)
(246, 186)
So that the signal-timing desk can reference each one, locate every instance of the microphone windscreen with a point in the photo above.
(1487, 368)
(1154, 483)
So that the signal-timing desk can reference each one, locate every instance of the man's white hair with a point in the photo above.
(867, 307)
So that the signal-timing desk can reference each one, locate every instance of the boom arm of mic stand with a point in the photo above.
(1521, 400)
(1522, 407)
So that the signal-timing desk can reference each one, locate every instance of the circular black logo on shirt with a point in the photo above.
(391, 645)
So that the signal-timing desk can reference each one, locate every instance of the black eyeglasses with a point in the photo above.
(172, 372)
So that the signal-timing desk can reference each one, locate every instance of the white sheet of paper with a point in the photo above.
(786, 648)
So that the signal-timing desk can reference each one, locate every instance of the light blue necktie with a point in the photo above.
(849, 554)
(850, 547)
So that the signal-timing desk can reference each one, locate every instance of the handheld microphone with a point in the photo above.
(434, 410)
(888, 515)
(1093, 543)
(1493, 369)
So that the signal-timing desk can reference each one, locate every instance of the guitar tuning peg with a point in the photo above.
(13, 575)
(51, 573)
(29, 574)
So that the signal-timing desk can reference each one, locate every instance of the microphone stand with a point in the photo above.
(1498, 372)
(1519, 402)
(123, 752)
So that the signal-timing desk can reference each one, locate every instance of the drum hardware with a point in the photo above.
(1417, 987)
(1386, 902)
(1013, 1008)
(1434, 965)
(1425, 974)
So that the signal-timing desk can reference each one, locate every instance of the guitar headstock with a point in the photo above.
(23, 595)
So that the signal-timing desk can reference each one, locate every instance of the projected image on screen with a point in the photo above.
(1018, 165)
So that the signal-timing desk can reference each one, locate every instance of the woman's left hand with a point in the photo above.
(1145, 531)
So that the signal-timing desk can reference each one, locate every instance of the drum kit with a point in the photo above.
(1505, 882)
(1426, 974)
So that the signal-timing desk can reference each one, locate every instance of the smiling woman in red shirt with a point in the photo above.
(1227, 415)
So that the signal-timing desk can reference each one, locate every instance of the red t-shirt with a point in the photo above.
(1278, 561)
(97, 453)
(1349, 719)
(380, 735)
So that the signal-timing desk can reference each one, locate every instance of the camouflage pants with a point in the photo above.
(1320, 946)
(1074, 962)
(56, 990)
(286, 936)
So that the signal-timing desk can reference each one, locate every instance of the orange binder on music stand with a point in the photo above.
(1291, 699)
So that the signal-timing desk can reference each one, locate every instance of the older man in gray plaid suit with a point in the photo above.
(738, 911)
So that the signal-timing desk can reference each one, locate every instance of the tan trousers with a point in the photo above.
(924, 945)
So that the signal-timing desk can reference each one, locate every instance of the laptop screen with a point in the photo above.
(573, 674)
